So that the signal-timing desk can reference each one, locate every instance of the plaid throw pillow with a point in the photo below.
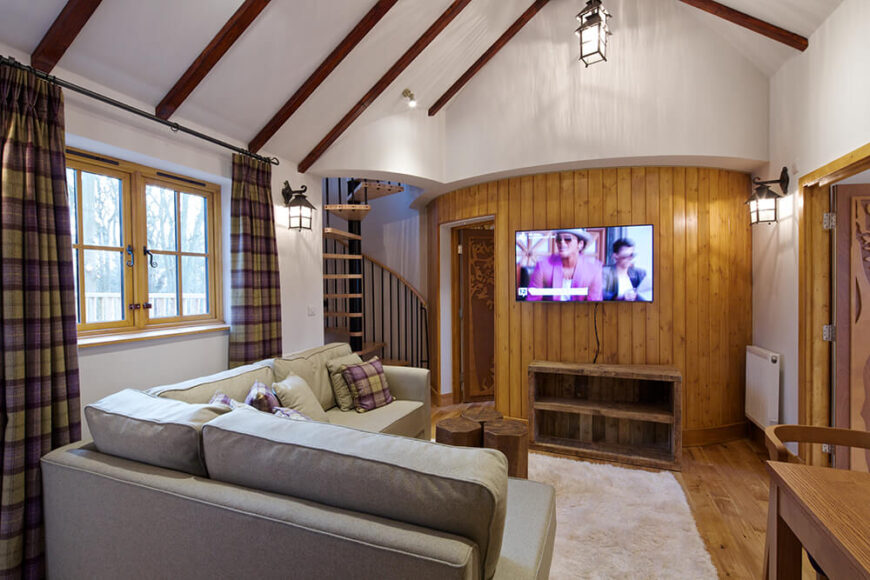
(288, 413)
(262, 398)
(221, 398)
(368, 385)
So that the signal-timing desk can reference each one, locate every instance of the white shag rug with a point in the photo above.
(614, 522)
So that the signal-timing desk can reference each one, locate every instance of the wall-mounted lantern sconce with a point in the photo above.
(762, 202)
(412, 100)
(593, 32)
(301, 210)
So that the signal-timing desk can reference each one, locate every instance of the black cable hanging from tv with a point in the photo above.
(595, 325)
(175, 127)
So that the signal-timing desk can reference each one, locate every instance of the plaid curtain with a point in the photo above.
(39, 399)
(255, 333)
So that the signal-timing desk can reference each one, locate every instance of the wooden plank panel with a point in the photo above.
(679, 269)
(555, 312)
(638, 311)
(584, 342)
(718, 384)
(693, 381)
(504, 291)
(539, 309)
(608, 322)
(663, 266)
(528, 324)
(703, 335)
(567, 205)
(518, 379)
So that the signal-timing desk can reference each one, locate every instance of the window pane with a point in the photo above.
(193, 233)
(104, 286)
(71, 192)
(160, 208)
(76, 286)
(101, 210)
(194, 285)
(163, 287)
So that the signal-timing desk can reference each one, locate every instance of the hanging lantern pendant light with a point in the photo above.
(301, 210)
(593, 32)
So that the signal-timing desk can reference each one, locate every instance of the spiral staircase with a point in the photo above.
(365, 303)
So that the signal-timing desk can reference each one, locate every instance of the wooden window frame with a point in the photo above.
(135, 178)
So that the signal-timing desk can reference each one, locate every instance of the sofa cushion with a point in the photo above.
(403, 479)
(288, 413)
(235, 382)
(343, 398)
(262, 398)
(311, 365)
(221, 398)
(406, 418)
(150, 429)
(368, 385)
(294, 392)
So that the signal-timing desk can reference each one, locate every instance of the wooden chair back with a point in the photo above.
(777, 435)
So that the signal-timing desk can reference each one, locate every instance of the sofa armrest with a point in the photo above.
(411, 384)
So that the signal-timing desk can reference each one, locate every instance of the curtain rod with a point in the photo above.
(130, 109)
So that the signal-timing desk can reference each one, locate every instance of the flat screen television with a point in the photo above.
(585, 264)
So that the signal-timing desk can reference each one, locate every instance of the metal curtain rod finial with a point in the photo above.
(173, 126)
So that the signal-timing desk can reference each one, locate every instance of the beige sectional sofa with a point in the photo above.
(174, 487)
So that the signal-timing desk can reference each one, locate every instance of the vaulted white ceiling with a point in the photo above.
(141, 48)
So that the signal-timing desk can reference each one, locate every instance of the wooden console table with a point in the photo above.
(825, 510)
(625, 413)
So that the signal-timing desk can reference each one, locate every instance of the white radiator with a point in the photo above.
(762, 386)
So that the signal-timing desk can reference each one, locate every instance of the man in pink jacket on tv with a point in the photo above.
(568, 274)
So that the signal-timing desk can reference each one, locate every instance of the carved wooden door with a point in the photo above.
(852, 399)
(478, 315)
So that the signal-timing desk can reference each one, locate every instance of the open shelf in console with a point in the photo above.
(625, 413)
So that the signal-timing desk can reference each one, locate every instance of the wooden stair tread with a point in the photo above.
(337, 234)
(370, 348)
(348, 211)
(374, 189)
(342, 276)
(341, 314)
(394, 362)
(338, 296)
(342, 257)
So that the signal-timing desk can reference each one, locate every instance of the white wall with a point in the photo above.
(102, 129)
(669, 88)
(818, 113)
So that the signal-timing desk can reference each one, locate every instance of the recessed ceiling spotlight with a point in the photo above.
(412, 100)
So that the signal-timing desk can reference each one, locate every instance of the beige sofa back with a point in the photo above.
(311, 365)
(234, 382)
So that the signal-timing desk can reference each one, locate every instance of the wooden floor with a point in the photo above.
(727, 489)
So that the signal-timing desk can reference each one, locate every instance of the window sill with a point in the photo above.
(150, 334)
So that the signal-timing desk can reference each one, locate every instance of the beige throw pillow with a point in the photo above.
(343, 396)
(294, 392)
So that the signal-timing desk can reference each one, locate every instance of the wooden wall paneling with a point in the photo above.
(528, 314)
(820, 242)
(653, 332)
(638, 311)
(567, 206)
(519, 376)
(555, 328)
(664, 268)
(692, 297)
(702, 294)
(680, 274)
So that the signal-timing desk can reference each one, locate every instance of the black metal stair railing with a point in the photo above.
(394, 316)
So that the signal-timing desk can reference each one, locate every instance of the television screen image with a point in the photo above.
(585, 264)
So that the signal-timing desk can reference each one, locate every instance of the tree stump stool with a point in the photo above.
(458, 431)
(511, 437)
(482, 415)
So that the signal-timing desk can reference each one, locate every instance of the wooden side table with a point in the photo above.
(482, 415)
(511, 437)
(458, 431)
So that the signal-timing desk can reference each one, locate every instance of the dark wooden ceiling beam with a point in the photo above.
(216, 49)
(318, 76)
(61, 33)
(373, 93)
(754, 24)
(486, 56)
